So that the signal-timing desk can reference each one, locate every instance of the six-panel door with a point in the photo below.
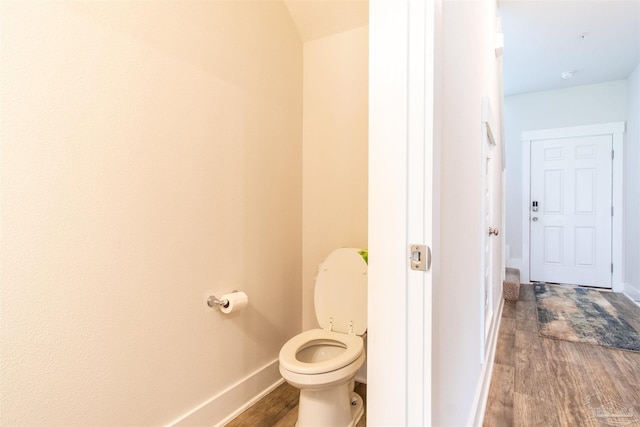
(570, 227)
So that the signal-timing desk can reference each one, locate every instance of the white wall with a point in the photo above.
(335, 147)
(576, 106)
(632, 187)
(151, 153)
(470, 71)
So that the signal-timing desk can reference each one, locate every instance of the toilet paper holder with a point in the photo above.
(212, 301)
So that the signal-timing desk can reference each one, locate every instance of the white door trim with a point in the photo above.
(401, 140)
(488, 145)
(616, 130)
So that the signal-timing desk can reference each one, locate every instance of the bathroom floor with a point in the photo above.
(280, 409)
(566, 383)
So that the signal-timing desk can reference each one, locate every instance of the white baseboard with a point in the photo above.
(513, 263)
(228, 404)
(632, 292)
(360, 379)
(476, 416)
(517, 263)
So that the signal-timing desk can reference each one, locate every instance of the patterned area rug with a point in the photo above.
(582, 315)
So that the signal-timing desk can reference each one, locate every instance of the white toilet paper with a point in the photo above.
(237, 301)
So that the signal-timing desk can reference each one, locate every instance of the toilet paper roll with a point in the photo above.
(236, 302)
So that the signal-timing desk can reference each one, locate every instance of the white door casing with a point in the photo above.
(401, 136)
(491, 237)
(570, 231)
(616, 131)
(488, 232)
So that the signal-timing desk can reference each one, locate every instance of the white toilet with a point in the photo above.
(323, 362)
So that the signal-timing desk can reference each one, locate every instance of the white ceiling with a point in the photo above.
(541, 37)
(542, 40)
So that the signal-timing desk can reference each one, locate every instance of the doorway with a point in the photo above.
(492, 239)
(570, 228)
(572, 188)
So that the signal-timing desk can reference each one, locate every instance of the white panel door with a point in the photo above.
(490, 232)
(488, 228)
(571, 181)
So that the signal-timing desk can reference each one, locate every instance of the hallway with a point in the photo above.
(539, 381)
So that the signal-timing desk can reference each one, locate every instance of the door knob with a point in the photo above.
(535, 218)
(493, 231)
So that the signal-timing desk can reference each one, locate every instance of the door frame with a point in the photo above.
(616, 130)
(402, 110)
(490, 141)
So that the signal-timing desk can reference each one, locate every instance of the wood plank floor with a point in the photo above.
(537, 381)
(280, 409)
(540, 381)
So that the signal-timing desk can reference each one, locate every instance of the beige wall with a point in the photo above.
(151, 153)
(334, 152)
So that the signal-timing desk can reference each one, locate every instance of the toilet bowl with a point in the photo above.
(322, 363)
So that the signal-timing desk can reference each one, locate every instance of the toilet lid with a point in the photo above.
(341, 292)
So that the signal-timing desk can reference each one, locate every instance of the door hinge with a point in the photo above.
(612, 154)
(611, 268)
(611, 210)
(420, 257)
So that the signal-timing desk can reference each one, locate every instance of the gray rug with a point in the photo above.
(582, 315)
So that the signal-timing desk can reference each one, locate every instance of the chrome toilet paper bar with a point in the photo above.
(229, 303)
(212, 301)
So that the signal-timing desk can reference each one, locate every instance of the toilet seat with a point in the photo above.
(353, 344)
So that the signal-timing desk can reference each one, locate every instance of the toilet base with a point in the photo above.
(357, 408)
(335, 406)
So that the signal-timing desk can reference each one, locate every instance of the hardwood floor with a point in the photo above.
(540, 381)
(536, 381)
(280, 409)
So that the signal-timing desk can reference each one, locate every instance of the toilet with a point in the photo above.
(322, 363)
